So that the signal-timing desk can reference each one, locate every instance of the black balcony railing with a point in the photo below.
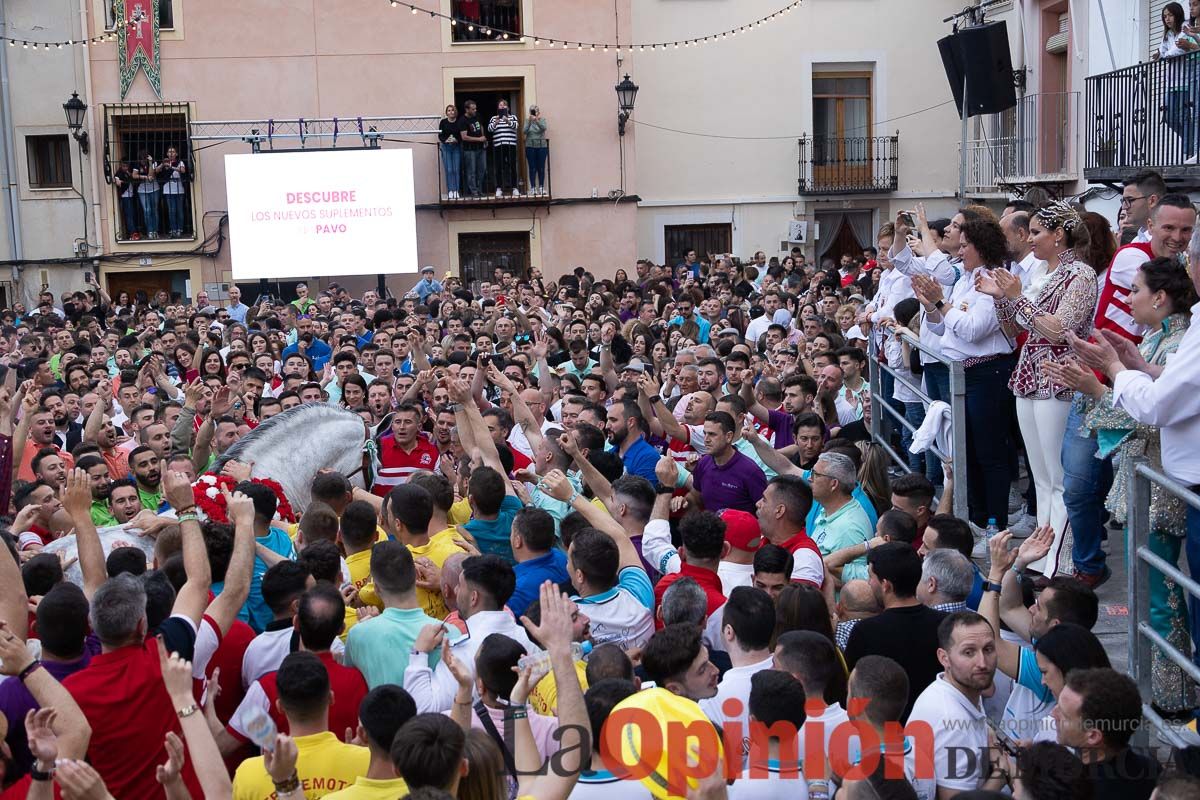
(529, 185)
(848, 165)
(1144, 117)
(486, 20)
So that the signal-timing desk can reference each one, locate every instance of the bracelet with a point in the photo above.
(574, 496)
(289, 785)
(190, 517)
(682, 479)
(656, 399)
(32, 668)
(518, 715)
(192, 507)
(184, 713)
(1020, 575)
(38, 775)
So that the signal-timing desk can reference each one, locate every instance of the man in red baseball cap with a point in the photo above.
(744, 537)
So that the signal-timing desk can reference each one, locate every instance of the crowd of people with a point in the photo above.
(594, 512)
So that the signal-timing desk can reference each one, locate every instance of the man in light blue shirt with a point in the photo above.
(379, 647)
(841, 521)
(427, 285)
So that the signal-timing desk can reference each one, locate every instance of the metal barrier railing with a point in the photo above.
(1142, 637)
(958, 415)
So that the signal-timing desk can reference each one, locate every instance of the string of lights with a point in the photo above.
(489, 33)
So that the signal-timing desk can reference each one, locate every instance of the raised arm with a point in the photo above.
(225, 607)
(660, 414)
(77, 500)
(760, 412)
(193, 595)
(14, 604)
(1008, 653)
(183, 432)
(29, 404)
(468, 416)
(775, 459)
(530, 424)
(62, 713)
(557, 486)
(547, 380)
(554, 632)
(202, 747)
(592, 477)
(608, 368)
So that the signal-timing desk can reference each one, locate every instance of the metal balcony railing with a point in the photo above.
(1034, 142)
(529, 189)
(1144, 117)
(848, 165)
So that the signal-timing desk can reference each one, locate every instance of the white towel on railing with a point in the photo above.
(935, 430)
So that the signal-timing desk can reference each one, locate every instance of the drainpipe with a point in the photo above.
(96, 151)
(13, 210)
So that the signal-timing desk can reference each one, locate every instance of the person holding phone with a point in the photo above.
(172, 171)
(474, 155)
(503, 129)
(537, 151)
(126, 185)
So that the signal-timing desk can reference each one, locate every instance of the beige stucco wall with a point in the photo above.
(349, 59)
(758, 84)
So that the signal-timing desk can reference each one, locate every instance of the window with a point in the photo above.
(704, 239)
(480, 254)
(49, 161)
(842, 114)
(166, 13)
(486, 20)
(148, 161)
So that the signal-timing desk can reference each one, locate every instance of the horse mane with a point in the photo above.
(306, 414)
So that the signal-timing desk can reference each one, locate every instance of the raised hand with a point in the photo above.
(1073, 375)
(1131, 357)
(986, 283)
(557, 486)
(239, 507)
(1035, 547)
(39, 731)
(1099, 355)
(462, 675)
(77, 494)
(667, 471)
(178, 490)
(171, 772)
(1009, 284)
(1002, 557)
(554, 630)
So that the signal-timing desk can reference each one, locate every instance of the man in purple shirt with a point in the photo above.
(62, 626)
(725, 478)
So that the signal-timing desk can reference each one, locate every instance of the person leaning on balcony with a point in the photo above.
(537, 150)
(1182, 90)
(145, 176)
(450, 136)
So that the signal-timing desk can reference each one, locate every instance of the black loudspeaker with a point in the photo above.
(981, 54)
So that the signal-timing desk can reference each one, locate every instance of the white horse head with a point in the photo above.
(294, 445)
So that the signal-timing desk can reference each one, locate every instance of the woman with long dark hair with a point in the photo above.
(1160, 299)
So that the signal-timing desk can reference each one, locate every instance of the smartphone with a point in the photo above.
(1006, 742)
(909, 218)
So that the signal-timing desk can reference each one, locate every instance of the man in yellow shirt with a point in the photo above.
(358, 537)
(323, 764)
(382, 712)
(435, 548)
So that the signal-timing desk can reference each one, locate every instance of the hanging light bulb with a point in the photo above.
(453, 23)
(487, 31)
(414, 9)
(537, 42)
(471, 28)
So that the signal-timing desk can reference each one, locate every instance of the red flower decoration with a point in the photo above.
(211, 500)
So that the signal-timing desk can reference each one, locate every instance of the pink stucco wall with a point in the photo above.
(286, 59)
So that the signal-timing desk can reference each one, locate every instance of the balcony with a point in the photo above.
(1144, 117)
(1033, 143)
(848, 165)
(486, 20)
(488, 198)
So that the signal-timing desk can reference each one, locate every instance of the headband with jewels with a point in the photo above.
(1059, 214)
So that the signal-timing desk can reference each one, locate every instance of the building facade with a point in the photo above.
(223, 63)
(833, 116)
(49, 229)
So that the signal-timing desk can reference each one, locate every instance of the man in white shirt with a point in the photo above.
(952, 709)
(747, 624)
(484, 587)
(877, 693)
(776, 768)
(758, 326)
(1024, 264)
(812, 659)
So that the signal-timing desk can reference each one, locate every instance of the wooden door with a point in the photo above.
(842, 130)
(132, 282)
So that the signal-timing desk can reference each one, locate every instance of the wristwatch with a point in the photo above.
(938, 305)
(664, 489)
(989, 586)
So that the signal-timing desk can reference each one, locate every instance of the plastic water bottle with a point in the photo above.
(990, 531)
(540, 659)
(260, 729)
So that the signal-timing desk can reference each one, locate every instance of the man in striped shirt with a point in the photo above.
(404, 450)
(503, 128)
